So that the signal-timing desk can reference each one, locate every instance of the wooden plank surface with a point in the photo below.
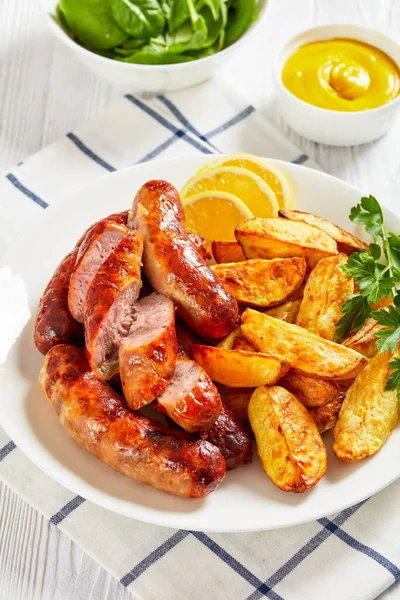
(44, 94)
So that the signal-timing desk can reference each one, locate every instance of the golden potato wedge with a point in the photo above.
(242, 344)
(280, 238)
(289, 445)
(262, 283)
(228, 342)
(310, 391)
(326, 417)
(237, 399)
(364, 340)
(306, 352)
(325, 293)
(346, 242)
(286, 311)
(227, 251)
(368, 414)
(238, 369)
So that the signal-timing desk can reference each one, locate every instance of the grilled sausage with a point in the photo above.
(232, 437)
(121, 218)
(110, 301)
(54, 323)
(175, 268)
(95, 417)
(201, 245)
(93, 252)
(147, 356)
(191, 399)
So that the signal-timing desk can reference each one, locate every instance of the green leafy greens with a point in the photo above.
(156, 31)
(375, 280)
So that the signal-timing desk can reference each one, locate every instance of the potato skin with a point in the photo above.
(368, 414)
(289, 445)
(310, 391)
(307, 353)
(238, 369)
(227, 251)
(326, 417)
(241, 343)
(286, 311)
(325, 293)
(262, 283)
(364, 340)
(237, 399)
(280, 238)
(229, 341)
(346, 242)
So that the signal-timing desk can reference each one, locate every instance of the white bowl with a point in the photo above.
(330, 126)
(151, 78)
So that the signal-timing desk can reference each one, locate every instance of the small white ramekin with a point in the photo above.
(333, 127)
(151, 78)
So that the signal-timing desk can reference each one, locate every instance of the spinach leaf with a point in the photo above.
(128, 51)
(155, 54)
(241, 14)
(139, 18)
(182, 11)
(213, 5)
(133, 44)
(92, 23)
(166, 6)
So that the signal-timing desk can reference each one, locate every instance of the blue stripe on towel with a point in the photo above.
(79, 144)
(239, 117)
(300, 160)
(5, 450)
(153, 557)
(67, 510)
(25, 190)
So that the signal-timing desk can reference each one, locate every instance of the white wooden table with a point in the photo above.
(44, 93)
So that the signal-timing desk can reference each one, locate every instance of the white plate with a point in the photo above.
(247, 500)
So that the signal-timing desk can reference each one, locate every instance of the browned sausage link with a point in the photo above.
(175, 268)
(191, 399)
(95, 417)
(147, 356)
(121, 218)
(54, 323)
(201, 245)
(232, 437)
(110, 304)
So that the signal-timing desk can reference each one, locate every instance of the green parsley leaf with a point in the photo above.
(393, 381)
(388, 339)
(369, 214)
(355, 311)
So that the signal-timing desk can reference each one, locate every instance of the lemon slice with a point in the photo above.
(244, 184)
(270, 173)
(215, 215)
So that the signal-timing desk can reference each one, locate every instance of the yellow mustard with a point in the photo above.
(341, 74)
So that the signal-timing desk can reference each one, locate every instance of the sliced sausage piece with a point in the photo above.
(175, 268)
(191, 399)
(201, 245)
(93, 252)
(232, 437)
(121, 218)
(147, 356)
(95, 417)
(110, 302)
(54, 323)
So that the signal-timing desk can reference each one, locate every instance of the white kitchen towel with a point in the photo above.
(354, 554)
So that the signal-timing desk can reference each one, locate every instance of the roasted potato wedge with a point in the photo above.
(237, 399)
(239, 369)
(364, 340)
(368, 414)
(346, 242)
(310, 391)
(227, 251)
(289, 445)
(228, 342)
(325, 293)
(262, 283)
(280, 238)
(326, 417)
(241, 343)
(286, 311)
(306, 352)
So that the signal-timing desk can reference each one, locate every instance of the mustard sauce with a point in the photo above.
(342, 74)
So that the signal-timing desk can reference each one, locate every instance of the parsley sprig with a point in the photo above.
(375, 280)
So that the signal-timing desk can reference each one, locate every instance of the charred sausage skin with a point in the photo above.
(54, 323)
(95, 417)
(232, 436)
(175, 268)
